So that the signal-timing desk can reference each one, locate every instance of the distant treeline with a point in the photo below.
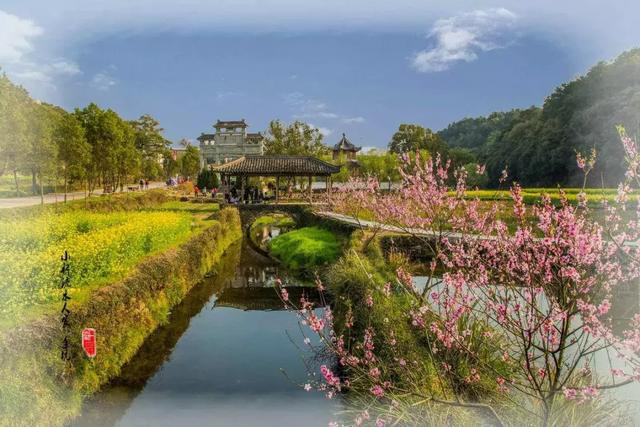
(87, 148)
(538, 145)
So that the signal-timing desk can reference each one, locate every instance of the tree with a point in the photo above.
(74, 152)
(298, 138)
(475, 178)
(190, 162)
(538, 144)
(108, 151)
(460, 156)
(151, 144)
(41, 150)
(90, 118)
(524, 314)
(208, 179)
(412, 137)
(129, 158)
(13, 127)
(169, 164)
(114, 156)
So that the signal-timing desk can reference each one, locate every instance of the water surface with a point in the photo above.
(221, 360)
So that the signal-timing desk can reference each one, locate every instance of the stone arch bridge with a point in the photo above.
(300, 213)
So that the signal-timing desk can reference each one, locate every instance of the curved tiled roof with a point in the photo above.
(255, 136)
(277, 165)
(205, 137)
(230, 124)
(345, 145)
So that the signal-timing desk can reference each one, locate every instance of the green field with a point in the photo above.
(595, 196)
(103, 247)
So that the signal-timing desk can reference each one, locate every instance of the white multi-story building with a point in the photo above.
(230, 141)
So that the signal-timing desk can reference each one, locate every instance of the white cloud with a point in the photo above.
(307, 107)
(323, 130)
(228, 94)
(349, 120)
(313, 109)
(463, 37)
(316, 115)
(103, 81)
(16, 36)
(369, 149)
(27, 71)
(20, 59)
(65, 67)
(585, 24)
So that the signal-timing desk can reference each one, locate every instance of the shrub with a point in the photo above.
(185, 188)
(208, 179)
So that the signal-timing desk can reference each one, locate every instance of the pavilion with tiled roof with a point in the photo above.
(277, 166)
(345, 146)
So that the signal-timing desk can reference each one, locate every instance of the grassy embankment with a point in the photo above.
(128, 268)
(361, 274)
(306, 248)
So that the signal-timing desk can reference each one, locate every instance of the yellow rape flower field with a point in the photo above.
(103, 247)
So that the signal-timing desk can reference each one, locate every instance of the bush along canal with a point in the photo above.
(228, 355)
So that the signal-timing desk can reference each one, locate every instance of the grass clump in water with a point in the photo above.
(306, 248)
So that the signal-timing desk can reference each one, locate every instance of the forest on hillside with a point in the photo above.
(538, 145)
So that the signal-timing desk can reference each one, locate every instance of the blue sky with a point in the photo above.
(361, 68)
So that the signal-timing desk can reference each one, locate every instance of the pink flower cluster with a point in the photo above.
(329, 376)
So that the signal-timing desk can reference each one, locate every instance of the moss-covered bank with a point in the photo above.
(405, 357)
(38, 388)
(306, 248)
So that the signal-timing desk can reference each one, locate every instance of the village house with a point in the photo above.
(229, 142)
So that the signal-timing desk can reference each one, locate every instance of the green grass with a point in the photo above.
(193, 207)
(306, 248)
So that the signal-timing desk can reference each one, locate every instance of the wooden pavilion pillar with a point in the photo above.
(242, 178)
(277, 187)
(310, 191)
(326, 186)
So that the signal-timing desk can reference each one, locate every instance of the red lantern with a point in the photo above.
(89, 341)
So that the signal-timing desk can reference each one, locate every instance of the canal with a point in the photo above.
(229, 355)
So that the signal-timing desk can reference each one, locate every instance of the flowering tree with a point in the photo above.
(524, 307)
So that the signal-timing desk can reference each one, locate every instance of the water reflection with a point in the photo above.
(625, 301)
(269, 227)
(213, 364)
